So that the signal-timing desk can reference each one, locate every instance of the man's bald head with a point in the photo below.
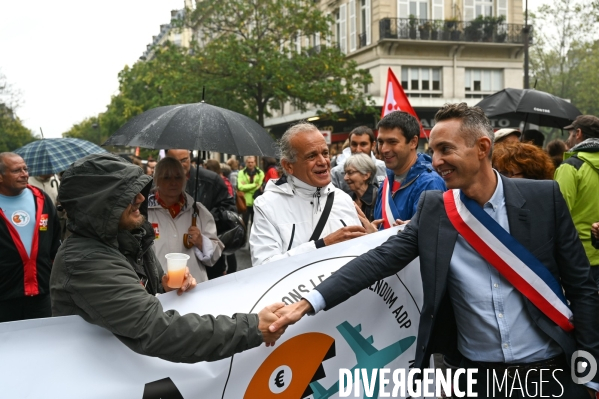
(183, 156)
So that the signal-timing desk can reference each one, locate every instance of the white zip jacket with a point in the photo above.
(286, 215)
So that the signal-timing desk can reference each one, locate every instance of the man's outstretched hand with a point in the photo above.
(266, 317)
(290, 315)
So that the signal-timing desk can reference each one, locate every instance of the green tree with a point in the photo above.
(251, 65)
(585, 87)
(256, 51)
(564, 59)
(88, 129)
(173, 76)
(561, 60)
(13, 134)
(93, 129)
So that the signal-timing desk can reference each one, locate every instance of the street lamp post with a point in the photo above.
(97, 126)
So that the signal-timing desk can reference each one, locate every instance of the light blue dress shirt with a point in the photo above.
(493, 324)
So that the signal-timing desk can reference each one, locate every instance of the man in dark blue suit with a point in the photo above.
(471, 313)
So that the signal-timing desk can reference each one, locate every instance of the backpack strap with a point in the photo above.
(323, 217)
(574, 161)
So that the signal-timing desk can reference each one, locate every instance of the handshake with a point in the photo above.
(274, 319)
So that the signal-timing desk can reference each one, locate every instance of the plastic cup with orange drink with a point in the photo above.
(176, 264)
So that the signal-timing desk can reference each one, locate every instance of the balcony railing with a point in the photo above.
(478, 30)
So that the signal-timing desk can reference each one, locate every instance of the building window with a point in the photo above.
(363, 16)
(422, 9)
(177, 39)
(341, 27)
(483, 7)
(337, 26)
(352, 24)
(364, 23)
(421, 82)
(480, 83)
(419, 9)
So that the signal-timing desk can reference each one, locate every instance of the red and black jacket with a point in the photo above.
(20, 275)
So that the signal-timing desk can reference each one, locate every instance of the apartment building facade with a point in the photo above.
(169, 32)
(441, 51)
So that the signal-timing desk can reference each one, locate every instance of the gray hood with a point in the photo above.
(95, 191)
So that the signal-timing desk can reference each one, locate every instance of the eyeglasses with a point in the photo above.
(351, 172)
(511, 174)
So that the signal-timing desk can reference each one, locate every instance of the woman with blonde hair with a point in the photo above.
(171, 210)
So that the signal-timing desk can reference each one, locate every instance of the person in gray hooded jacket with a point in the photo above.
(107, 273)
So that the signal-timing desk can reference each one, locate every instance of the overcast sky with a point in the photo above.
(65, 55)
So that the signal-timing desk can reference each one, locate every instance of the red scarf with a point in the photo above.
(174, 209)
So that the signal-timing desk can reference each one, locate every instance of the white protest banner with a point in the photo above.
(66, 357)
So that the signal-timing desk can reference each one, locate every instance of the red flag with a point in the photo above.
(396, 99)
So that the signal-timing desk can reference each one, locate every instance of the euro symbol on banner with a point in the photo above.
(279, 379)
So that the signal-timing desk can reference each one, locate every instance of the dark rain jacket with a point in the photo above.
(93, 274)
(212, 190)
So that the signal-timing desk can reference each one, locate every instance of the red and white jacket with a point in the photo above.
(21, 274)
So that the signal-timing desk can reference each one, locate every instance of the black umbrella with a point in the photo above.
(530, 105)
(198, 126)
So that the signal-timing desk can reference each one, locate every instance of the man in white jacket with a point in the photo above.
(286, 215)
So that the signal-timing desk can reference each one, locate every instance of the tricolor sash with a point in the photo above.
(520, 267)
(388, 206)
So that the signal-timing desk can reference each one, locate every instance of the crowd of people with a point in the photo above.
(123, 217)
(475, 312)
